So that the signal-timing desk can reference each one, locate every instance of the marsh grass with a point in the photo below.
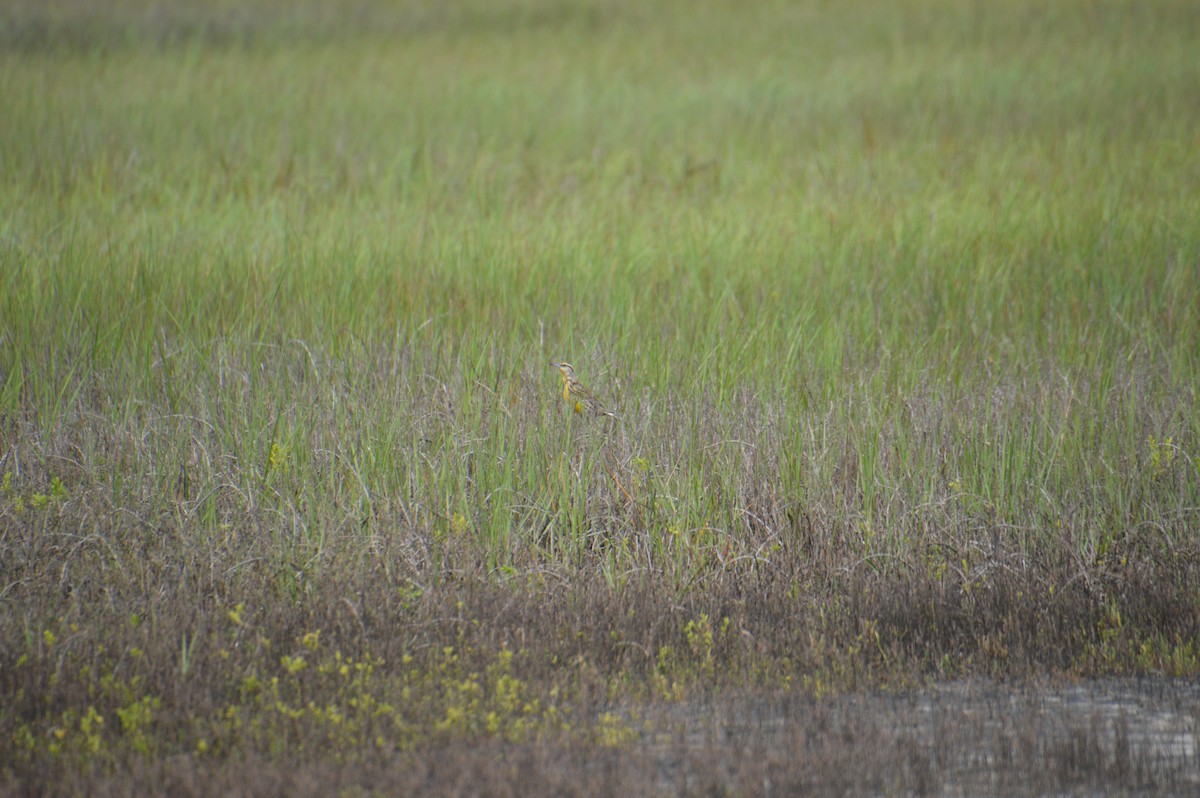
(898, 309)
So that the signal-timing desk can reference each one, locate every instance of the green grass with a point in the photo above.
(878, 292)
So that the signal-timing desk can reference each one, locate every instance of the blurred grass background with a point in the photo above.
(908, 289)
(900, 253)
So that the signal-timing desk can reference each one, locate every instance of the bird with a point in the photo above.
(574, 392)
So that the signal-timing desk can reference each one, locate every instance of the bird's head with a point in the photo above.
(568, 371)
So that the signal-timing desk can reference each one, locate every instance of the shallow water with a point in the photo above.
(968, 738)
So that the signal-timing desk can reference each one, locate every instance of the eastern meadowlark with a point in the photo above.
(574, 392)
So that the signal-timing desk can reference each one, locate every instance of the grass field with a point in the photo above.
(898, 306)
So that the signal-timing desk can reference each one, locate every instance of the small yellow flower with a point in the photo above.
(277, 460)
